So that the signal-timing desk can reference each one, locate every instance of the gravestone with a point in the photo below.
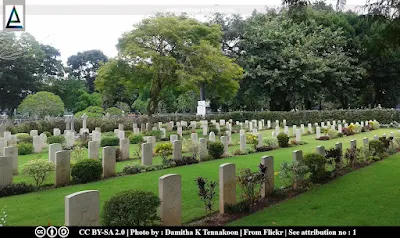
(205, 130)
(152, 140)
(384, 135)
(7, 135)
(142, 127)
(120, 127)
(53, 149)
(227, 186)
(254, 131)
(177, 150)
(121, 134)
(203, 152)
(294, 130)
(84, 118)
(98, 129)
(277, 130)
(37, 144)
(193, 137)
(260, 140)
(56, 132)
(12, 140)
(298, 135)
(43, 139)
(297, 156)
(170, 194)
(260, 126)
(269, 184)
(3, 144)
(274, 134)
(376, 137)
(109, 161)
(63, 168)
(32, 133)
(310, 127)
(268, 124)
(124, 148)
(6, 170)
(243, 143)
(211, 137)
(96, 136)
(318, 132)
(93, 149)
(353, 143)
(12, 152)
(284, 122)
(179, 131)
(365, 142)
(136, 131)
(173, 138)
(322, 124)
(229, 136)
(242, 132)
(163, 133)
(70, 139)
(224, 141)
(302, 128)
(320, 150)
(340, 130)
(82, 209)
(286, 130)
(147, 154)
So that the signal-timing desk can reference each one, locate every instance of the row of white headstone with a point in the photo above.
(170, 193)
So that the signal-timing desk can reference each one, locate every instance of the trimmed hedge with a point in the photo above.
(384, 116)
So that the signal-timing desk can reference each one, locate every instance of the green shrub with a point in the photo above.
(131, 208)
(41, 104)
(107, 134)
(133, 169)
(386, 142)
(215, 149)
(48, 134)
(332, 133)
(283, 140)
(213, 129)
(38, 169)
(164, 150)
(86, 170)
(25, 149)
(55, 139)
(271, 143)
(114, 111)
(16, 189)
(109, 141)
(186, 160)
(292, 174)
(157, 134)
(136, 139)
(252, 140)
(316, 164)
(24, 138)
(91, 112)
(376, 147)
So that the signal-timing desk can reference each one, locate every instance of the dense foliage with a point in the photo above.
(131, 208)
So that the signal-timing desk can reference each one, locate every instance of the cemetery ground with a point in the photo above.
(47, 206)
(366, 197)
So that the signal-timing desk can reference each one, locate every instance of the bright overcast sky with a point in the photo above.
(77, 25)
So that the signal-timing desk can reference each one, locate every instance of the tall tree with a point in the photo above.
(84, 65)
(19, 76)
(169, 53)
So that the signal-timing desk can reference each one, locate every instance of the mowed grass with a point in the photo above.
(48, 206)
(366, 197)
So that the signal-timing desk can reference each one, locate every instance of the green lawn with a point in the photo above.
(366, 197)
(41, 207)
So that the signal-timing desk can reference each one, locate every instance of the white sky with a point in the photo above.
(70, 27)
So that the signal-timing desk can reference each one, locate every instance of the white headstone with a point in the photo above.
(82, 209)
(53, 149)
